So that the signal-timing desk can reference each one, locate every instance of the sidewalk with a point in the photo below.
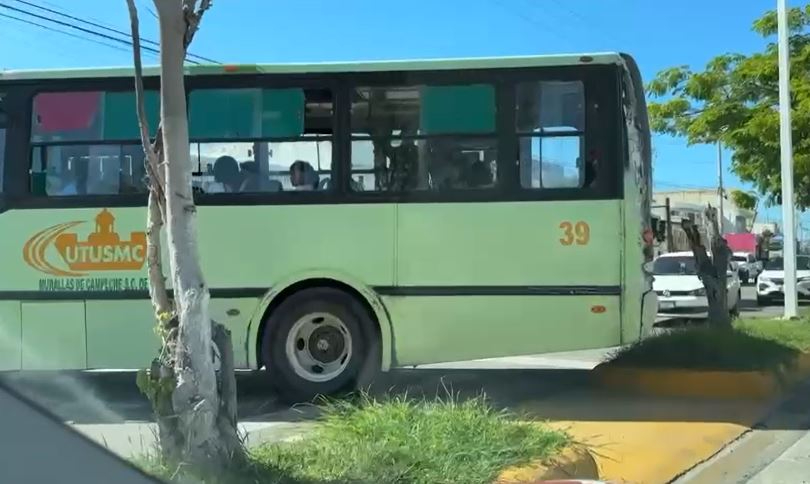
(792, 467)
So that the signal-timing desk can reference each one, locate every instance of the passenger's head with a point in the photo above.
(226, 171)
(303, 176)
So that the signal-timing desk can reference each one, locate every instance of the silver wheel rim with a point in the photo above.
(319, 347)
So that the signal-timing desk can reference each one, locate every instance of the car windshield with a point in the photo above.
(674, 265)
(778, 264)
(738, 258)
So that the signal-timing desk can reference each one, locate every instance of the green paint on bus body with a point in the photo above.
(362, 246)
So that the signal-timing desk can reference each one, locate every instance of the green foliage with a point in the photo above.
(157, 389)
(735, 100)
(414, 441)
(795, 334)
(744, 200)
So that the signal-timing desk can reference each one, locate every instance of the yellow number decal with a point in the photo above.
(579, 232)
(583, 232)
(568, 231)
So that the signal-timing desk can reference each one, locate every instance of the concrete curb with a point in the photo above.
(575, 462)
(664, 382)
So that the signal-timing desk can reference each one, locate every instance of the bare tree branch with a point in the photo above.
(156, 205)
(193, 18)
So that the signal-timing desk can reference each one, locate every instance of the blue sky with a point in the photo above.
(657, 35)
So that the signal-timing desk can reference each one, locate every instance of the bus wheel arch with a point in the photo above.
(379, 338)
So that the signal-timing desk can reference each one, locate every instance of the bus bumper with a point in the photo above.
(649, 310)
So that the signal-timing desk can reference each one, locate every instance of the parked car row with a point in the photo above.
(681, 293)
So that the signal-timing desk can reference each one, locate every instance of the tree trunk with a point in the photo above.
(195, 406)
(712, 269)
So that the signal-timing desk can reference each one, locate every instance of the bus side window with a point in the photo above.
(423, 138)
(87, 143)
(550, 123)
(266, 131)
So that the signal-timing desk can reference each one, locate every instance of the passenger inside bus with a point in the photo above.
(303, 176)
(226, 176)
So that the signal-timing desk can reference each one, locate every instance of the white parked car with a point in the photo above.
(770, 284)
(681, 293)
(749, 266)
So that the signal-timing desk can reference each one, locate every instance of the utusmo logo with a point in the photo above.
(102, 251)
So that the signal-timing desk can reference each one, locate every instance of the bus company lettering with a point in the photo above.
(102, 251)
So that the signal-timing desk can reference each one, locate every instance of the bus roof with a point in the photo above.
(328, 67)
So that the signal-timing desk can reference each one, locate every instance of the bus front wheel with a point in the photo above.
(316, 343)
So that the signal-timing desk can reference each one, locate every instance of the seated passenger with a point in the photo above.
(226, 174)
(303, 176)
(250, 177)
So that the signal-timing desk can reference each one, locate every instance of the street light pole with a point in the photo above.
(720, 187)
(786, 149)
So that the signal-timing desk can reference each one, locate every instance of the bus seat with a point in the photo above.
(271, 185)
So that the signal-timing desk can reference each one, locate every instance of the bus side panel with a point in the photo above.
(10, 335)
(502, 267)
(235, 314)
(457, 328)
(53, 336)
(121, 334)
(257, 246)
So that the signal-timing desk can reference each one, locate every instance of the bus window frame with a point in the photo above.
(507, 189)
(286, 197)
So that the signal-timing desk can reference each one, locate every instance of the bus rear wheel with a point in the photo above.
(316, 344)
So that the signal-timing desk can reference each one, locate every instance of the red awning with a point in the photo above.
(65, 111)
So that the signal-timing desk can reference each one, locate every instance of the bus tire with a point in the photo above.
(316, 344)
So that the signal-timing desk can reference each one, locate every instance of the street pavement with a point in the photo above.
(792, 467)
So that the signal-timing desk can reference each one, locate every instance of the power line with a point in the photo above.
(586, 21)
(69, 34)
(548, 26)
(105, 27)
(80, 29)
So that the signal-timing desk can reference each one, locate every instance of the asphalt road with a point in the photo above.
(107, 397)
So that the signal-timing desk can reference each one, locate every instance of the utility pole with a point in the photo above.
(720, 187)
(668, 218)
(786, 151)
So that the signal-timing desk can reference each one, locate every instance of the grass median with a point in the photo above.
(399, 440)
(751, 344)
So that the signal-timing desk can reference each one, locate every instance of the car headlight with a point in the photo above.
(698, 292)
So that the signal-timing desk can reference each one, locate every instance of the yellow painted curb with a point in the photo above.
(690, 383)
(675, 382)
(573, 462)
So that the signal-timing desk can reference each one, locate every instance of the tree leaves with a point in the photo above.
(746, 201)
(735, 100)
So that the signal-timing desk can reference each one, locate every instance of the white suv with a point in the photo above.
(770, 284)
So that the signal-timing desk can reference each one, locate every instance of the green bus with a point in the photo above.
(353, 217)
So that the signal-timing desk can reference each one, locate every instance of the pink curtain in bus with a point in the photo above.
(66, 111)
